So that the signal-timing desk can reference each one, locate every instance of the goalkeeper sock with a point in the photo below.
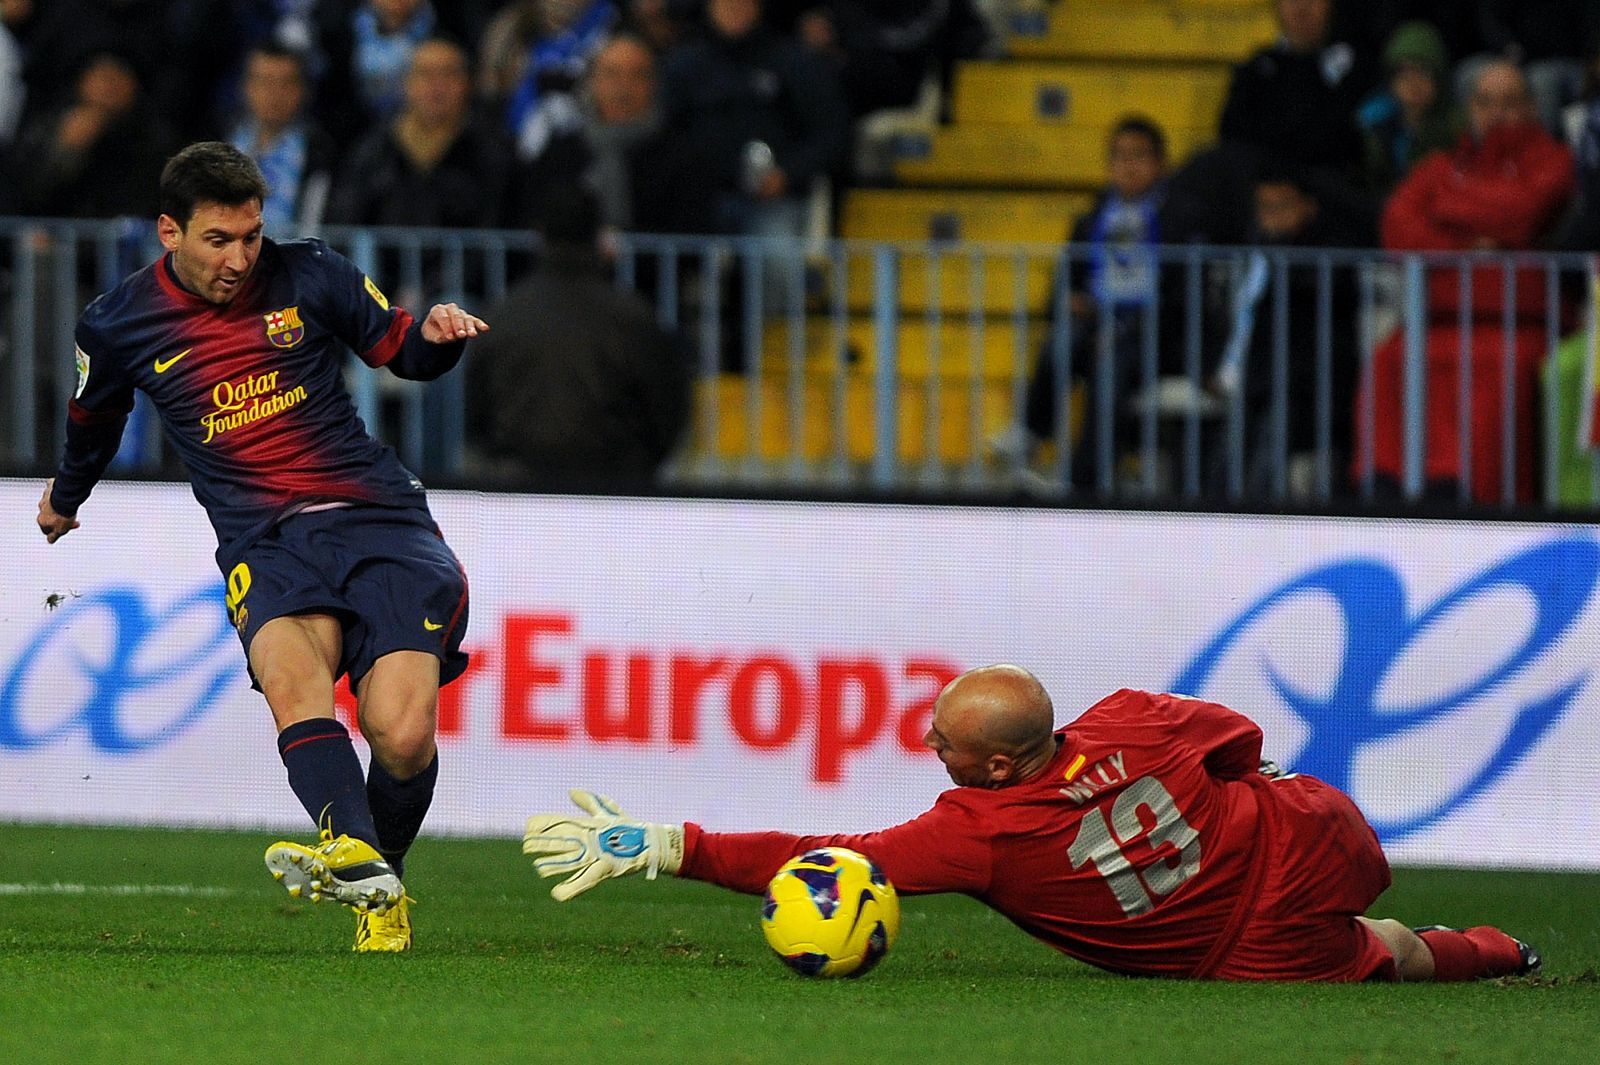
(1472, 953)
(326, 777)
(398, 807)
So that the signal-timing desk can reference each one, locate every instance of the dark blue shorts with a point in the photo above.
(385, 573)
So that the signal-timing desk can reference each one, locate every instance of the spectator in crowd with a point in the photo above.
(433, 164)
(1548, 39)
(885, 49)
(54, 39)
(99, 156)
(613, 147)
(1296, 403)
(1298, 98)
(1502, 188)
(385, 33)
(577, 382)
(531, 59)
(664, 23)
(1297, 101)
(1110, 284)
(1581, 232)
(761, 117)
(1415, 116)
(295, 155)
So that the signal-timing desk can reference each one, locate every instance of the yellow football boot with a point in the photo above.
(388, 932)
(340, 868)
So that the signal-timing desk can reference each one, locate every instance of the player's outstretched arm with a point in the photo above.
(606, 843)
(447, 323)
(53, 525)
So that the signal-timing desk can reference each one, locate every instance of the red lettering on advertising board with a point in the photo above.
(525, 675)
(845, 704)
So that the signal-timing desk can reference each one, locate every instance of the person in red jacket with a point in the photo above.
(1146, 838)
(1502, 188)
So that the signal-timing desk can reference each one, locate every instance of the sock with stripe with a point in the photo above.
(398, 807)
(326, 777)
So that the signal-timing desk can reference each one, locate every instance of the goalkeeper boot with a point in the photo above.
(388, 932)
(341, 868)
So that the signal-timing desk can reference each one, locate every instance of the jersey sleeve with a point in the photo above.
(1229, 743)
(379, 333)
(96, 416)
(944, 849)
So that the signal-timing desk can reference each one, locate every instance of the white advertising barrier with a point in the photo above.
(769, 665)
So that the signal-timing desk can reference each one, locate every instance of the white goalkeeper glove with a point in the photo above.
(605, 844)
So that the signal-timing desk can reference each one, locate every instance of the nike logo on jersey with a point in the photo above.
(163, 365)
(430, 625)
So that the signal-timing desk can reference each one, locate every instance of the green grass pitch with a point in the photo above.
(678, 972)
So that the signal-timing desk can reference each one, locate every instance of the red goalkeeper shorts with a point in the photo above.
(1325, 868)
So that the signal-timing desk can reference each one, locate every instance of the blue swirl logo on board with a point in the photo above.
(144, 658)
(1380, 625)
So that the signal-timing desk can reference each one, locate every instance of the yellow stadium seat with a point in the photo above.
(1088, 94)
(1071, 157)
(952, 219)
(955, 348)
(836, 418)
(940, 215)
(1193, 32)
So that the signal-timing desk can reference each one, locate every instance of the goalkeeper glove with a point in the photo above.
(605, 844)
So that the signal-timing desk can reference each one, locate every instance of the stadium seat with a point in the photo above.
(1130, 29)
(957, 349)
(836, 417)
(1090, 94)
(1052, 157)
(952, 219)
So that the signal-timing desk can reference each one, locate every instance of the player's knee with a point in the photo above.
(1413, 960)
(403, 741)
(294, 692)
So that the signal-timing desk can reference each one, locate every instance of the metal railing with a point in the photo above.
(1193, 373)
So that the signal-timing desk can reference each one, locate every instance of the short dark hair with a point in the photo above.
(1140, 126)
(209, 172)
(274, 50)
(1277, 170)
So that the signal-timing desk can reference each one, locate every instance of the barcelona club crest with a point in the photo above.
(284, 328)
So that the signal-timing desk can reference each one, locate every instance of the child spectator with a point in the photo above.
(1110, 284)
(1415, 116)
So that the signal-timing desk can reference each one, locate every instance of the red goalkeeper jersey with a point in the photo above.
(1134, 850)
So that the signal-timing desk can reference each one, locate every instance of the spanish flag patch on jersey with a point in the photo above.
(372, 290)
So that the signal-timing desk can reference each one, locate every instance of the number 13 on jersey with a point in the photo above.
(1102, 844)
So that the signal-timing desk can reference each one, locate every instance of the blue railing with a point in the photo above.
(1199, 373)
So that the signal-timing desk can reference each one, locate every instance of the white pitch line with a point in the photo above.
(176, 890)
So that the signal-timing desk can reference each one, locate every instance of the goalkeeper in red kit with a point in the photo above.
(1147, 837)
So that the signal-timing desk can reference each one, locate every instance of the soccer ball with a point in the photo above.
(830, 912)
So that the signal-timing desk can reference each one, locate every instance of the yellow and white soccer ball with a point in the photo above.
(830, 912)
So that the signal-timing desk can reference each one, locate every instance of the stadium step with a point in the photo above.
(836, 417)
(1089, 94)
(1186, 31)
(957, 215)
(955, 348)
(1056, 157)
(954, 278)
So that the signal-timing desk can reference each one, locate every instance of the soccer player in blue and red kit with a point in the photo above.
(333, 564)
(1146, 838)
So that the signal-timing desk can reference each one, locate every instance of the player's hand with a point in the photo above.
(53, 525)
(1270, 770)
(605, 844)
(447, 323)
